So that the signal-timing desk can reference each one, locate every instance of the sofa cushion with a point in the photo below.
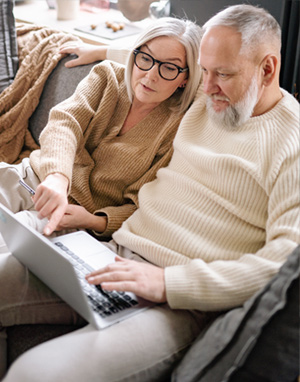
(258, 342)
(21, 338)
(8, 44)
(60, 85)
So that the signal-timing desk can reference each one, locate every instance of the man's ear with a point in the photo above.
(269, 68)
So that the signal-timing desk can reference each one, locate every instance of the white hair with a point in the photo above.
(255, 24)
(236, 115)
(189, 35)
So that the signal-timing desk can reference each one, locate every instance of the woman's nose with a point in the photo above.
(153, 73)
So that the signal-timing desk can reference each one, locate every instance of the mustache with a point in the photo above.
(216, 97)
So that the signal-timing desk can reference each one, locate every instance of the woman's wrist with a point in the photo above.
(58, 177)
(98, 223)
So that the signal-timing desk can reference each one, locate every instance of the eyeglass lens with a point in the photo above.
(167, 71)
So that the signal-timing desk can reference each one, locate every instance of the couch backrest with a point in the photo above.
(60, 85)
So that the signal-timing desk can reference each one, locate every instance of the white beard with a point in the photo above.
(235, 115)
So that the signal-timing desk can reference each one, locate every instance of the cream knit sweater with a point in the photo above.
(109, 168)
(223, 216)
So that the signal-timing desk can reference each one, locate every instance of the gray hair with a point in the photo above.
(189, 35)
(255, 24)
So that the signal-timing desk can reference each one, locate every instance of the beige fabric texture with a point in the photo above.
(82, 141)
(223, 216)
(38, 56)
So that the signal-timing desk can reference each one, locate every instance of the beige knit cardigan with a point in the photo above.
(38, 56)
(82, 142)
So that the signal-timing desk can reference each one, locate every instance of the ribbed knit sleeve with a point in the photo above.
(117, 214)
(224, 215)
(117, 54)
(69, 121)
(115, 217)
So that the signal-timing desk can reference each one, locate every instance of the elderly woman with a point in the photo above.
(108, 139)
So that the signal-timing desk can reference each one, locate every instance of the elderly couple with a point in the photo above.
(211, 227)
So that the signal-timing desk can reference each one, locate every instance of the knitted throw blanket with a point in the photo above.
(38, 56)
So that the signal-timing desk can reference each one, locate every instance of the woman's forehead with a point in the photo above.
(166, 48)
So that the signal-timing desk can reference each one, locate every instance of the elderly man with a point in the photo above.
(212, 229)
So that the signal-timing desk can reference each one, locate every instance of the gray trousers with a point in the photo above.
(144, 347)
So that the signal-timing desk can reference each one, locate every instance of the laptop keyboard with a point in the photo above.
(105, 303)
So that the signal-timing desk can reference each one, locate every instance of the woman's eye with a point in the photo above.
(169, 68)
(145, 58)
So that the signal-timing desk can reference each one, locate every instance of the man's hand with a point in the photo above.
(51, 200)
(145, 280)
(79, 217)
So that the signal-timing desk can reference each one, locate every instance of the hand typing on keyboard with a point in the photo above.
(143, 279)
(105, 303)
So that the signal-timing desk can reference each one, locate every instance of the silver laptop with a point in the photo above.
(62, 263)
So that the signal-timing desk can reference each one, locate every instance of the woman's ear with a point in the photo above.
(269, 67)
(183, 84)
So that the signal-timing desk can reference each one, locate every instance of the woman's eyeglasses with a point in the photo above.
(166, 70)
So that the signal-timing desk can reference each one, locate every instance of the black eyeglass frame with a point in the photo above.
(154, 61)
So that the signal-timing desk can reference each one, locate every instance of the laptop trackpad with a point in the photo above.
(93, 252)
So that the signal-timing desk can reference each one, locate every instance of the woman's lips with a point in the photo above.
(147, 88)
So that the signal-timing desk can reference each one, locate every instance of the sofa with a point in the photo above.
(257, 342)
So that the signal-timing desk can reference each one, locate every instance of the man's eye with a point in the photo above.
(222, 75)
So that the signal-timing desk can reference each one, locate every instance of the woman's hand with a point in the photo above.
(143, 279)
(86, 53)
(51, 200)
(79, 217)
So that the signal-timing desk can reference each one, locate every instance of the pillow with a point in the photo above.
(8, 44)
(258, 342)
(60, 85)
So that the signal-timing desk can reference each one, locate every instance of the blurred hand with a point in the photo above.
(79, 217)
(51, 200)
(86, 53)
(143, 279)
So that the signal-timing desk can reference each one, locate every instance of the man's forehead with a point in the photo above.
(222, 37)
(221, 47)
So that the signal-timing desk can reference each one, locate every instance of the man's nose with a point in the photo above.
(210, 85)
